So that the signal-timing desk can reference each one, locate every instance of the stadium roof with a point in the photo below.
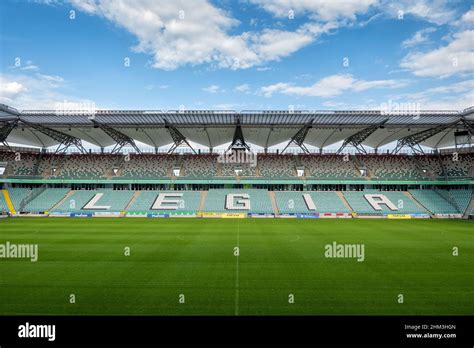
(212, 128)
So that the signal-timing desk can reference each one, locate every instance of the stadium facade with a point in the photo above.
(121, 180)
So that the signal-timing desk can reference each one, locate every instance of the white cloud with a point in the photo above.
(418, 38)
(212, 89)
(182, 32)
(273, 44)
(459, 102)
(457, 87)
(434, 11)
(466, 20)
(446, 90)
(455, 58)
(10, 89)
(454, 96)
(152, 86)
(330, 86)
(226, 106)
(30, 67)
(37, 91)
(244, 88)
(27, 66)
(51, 78)
(316, 9)
(468, 17)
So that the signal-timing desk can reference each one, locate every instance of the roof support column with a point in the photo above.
(120, 139)
(299, 137)
(178, 138)
(414, 140)
(238, 142)
(64, 140)
(5, 132)
(358, 138)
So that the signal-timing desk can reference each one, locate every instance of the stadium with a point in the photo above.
(233, 172)
(237, 231)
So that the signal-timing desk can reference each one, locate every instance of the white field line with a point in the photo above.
(237, 271)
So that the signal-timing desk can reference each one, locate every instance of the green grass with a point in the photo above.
(195, 257)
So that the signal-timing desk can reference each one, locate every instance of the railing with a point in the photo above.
(294, 151)
(204, 151)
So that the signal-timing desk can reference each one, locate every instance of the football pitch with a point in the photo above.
(238, 267)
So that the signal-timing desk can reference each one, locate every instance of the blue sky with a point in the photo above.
(241, 54)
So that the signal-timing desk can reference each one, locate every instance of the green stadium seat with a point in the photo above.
(434, 202)
(188, 203)
(292, 202)
(117, 200)
(403, 203)
(260, 202)
(46, 200)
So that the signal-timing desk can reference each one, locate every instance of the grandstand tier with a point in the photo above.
(266, 166)
(302, 202)
(251, 201)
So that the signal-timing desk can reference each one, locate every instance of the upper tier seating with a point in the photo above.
(460, 168)
(47, 162)
(398, 167)
(199, 166)
(19, 164)
(228, 169)
(147, 166)
(292, 202)
(86, 167)
(269, 166)
(277, 166)
(331, 167)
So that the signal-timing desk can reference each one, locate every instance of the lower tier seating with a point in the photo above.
(434, 202)
(113, 200)
(403, 204)
(188, 202)
(293, 202)
(260, 202)
(46, 200)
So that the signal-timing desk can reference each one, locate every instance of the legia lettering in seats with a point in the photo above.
(37, 331)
